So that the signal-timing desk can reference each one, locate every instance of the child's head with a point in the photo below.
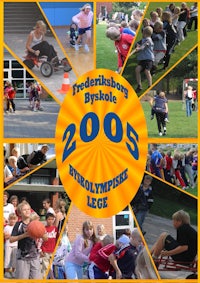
(15, 152)
(5, 197)
(154, 16)
(40, 25)
(169, 153)
(113, 33)
(46, 203)
(147, 31)
(177, 10)
(107, 240)
(50, 219)
(100, 230)
(146, 22)
(12, 160)
(86, 8)
(14, 200)
(44, 148)
(135, 239)
(24, 209)
(12, 219)
(180, 217)
(144, 268)
(166, 17)
(123, 24)
(87, 229)
(34, 216)
(172, 7)
(183, 5)
(162, 94)
(147, 180)
(159, 11)
(158, 27)
(133, 24)
(122, 241)
(136, 15)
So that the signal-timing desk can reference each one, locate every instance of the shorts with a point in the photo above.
(170, 244)
(146, 64)
(83, 30)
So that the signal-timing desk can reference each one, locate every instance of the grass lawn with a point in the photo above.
(106, 57)
(180, 126)
(180, 50)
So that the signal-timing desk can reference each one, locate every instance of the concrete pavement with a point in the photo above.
(25, 123)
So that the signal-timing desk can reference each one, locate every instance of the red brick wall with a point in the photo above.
(76, 219)
(108, 6)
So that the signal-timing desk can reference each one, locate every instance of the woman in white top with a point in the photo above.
(37, 45)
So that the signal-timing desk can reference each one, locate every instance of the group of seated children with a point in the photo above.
(17, 165)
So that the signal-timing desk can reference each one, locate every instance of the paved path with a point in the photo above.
(28, 124)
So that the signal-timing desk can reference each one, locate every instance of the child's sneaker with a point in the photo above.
(86, 48)
(139, 88)
(166, 120)
(76, 47)
(165, 131)
(160, 134)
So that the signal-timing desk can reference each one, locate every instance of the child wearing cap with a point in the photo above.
(84, 23)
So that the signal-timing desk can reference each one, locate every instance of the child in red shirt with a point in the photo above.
(9, 94)
(47, 247)
(123, 43)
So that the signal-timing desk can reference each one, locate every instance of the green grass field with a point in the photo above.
(106, 57)
(180, 126)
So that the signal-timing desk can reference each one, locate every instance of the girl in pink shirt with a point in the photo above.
(80, 252)
(84, 22)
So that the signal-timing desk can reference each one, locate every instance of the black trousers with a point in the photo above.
(45, 49)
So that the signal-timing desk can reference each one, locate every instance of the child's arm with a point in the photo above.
(177, 250)
(18, 237)
(166, 108)
(113, 262)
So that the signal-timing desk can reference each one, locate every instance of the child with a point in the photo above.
(101, 231)
(182, 22)
(73, 34)
(122, 43)
(80, 252)
(184, 247)
(8, 208)
(176, 163)
(9, 93)
(143, 200)
(159, 40)
(10, 248)
(124, 259)
(12, 160)
(131, 28)
(171, 36)
(160, 108)
(84, 22)
(28, 263)
(100, 265)
(37, 157)
(48, 246)
(47, 206)
(137, 15)
(155, 105)
(144, 268)
(153, 18)
(145, 57)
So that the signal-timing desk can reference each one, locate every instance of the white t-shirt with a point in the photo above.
(8, 229)
(7, 210)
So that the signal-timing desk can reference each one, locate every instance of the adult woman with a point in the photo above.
(36, 45)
